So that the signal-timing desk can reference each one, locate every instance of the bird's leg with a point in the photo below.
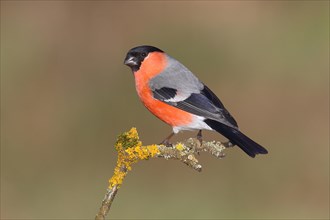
(228, 144)
(199, 137)
(166, 141)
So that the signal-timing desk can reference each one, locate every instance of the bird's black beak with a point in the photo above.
(130, 61)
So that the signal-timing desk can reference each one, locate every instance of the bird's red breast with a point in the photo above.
(152, 65)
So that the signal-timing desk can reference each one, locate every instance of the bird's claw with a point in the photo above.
(166, 143)
(228, 144)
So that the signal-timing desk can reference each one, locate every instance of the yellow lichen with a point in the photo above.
(153, 150)
(130, 151)
(179, 146)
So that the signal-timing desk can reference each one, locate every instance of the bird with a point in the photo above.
(171, 92)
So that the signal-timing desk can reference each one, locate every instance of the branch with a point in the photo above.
(130, 151)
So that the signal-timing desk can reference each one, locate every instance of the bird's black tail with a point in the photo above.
(238, 138)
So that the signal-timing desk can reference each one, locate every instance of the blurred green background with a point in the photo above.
(66, 95)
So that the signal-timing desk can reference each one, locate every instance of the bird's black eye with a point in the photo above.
(143, 54)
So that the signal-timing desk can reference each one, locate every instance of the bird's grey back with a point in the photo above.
(178, 77)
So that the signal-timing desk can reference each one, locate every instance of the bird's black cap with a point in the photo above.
(145, 49)
(136, 55)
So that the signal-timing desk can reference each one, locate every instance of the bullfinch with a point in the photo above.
(176, 96)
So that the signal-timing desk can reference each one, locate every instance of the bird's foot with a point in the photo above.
(228, 144)
(166, 143)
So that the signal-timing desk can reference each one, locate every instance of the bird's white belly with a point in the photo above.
(197, 124)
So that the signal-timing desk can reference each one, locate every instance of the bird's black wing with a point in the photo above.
(164, 93)
(216, 101)
(205, 104)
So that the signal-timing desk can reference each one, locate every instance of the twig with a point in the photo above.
(130, 151)
(106, 203)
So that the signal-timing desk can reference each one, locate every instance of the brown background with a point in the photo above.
(66, 95)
